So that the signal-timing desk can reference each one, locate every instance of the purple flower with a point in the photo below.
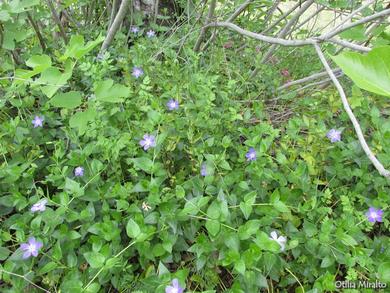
(174, 288)
(79, 171)
(30, 248)
(150, 34)
(137, 72)
(374, 215)
(38, 121)
(39, 206)
(134, 29)
(173, 105)
(148, 141)
(251, 155)
(334, 135)
(203, 170)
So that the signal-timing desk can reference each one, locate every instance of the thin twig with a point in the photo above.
(353, 24)
(307, 79)
(353, 13)
(37, 31)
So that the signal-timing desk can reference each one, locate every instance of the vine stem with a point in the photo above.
(24, 278)
(295, 277)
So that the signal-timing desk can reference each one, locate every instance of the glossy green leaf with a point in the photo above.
(69, 100)
(94, 259)
(370, 72)
(80, 120)
(106, 91)
(132, 229)
(144, 164)
(213, 226)
(76, 48)
(39, 63)
(384, 272)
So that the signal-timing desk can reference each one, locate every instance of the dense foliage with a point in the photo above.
(150, 162)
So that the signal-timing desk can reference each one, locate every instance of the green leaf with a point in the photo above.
(265, 243)
(327, 261)
(239, 266)
(67, 100)
(4, 253)
(132, 229)
(94, 259)
(248, 229)
(93, 288)
(348, 240)
(180, 192)
(281, 207)
(106, 91)
(53, 79)
(76, 48)
(213, 226)
(355, 33)
(111, 262)
(39, 63)
(213, 212)
(246, 209)
(144, 163)
(73, 187)
(47, 268)
(246, 206)
(80, 120)
(225, 165)
(370, 72)
(384, 272)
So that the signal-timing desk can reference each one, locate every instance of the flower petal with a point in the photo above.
(274, 235)
(26, 254)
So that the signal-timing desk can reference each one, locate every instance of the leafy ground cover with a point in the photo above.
(151, 168)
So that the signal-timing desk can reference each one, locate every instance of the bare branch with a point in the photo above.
(286, 30)
(353, 13)
(114, 9)
(308, 78)
(353, 24)
(57, 20)
(260, 37)
(231, 18)
(310, 17)
(283, 33)
(284, 42)
(271, 11)
(205, 28)
(356, 125)
(350, 45)
(284, 16)
(115, 26)
(37, 31)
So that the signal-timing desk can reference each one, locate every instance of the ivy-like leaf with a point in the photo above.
(106, 91)
(67, 100)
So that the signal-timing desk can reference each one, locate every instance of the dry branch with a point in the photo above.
(115, 26)
(205, 28)
(232, 17)
(57, 20)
